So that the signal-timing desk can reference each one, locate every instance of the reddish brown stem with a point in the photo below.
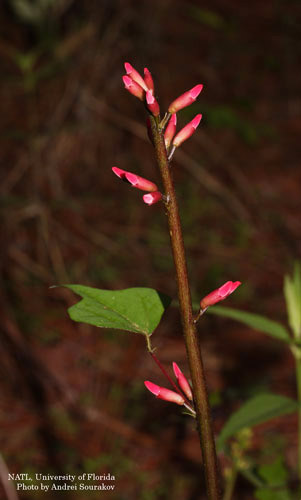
(203, 417)
(176, 388)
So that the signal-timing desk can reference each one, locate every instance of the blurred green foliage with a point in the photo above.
(205, 16)
(275, 476)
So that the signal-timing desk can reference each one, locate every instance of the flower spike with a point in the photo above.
(187, 131)
(170, 130)
(152, 103)
(133, 87)
(149, 80)
(219, 294)
(185, 99)
(166, 394)
(135, 75)
(152, 198)
(182, 381)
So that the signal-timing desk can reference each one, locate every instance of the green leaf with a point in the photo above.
(275, 476)
(275, 473)
(137, 310)
(255, 321)
(255, 411)
(272, 494)
(292, 293)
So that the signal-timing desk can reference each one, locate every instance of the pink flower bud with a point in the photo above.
(119, 172)
(166, 394)
(187, 131)
(170, 130)
(135, 75)
(152, 103)
(182, 381)
(185, 99)
(152, 198)
(220, 294)
(133, 87)
(140, 183)
(135, 180)
(149, 82)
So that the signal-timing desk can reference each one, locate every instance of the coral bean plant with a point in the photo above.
(139, 310)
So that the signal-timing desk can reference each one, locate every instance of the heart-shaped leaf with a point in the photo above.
(137, 310)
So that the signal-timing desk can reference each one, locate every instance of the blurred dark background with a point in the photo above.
(72, 396)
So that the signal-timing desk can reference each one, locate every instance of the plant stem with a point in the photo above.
(203, 417)
(231, 483)
(297, 355)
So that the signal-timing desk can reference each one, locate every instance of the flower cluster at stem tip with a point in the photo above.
(143, 88)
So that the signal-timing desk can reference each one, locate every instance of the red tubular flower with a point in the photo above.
(140, 183)
(135, 75)
(219, 294)
(120, 173)
(170, 130)
(135, 180)
(187, 131)
(148, 79)
(182, 381)
(166, 394)
(152, 103)
(185, 99)
(133, 87)
(152, 198)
